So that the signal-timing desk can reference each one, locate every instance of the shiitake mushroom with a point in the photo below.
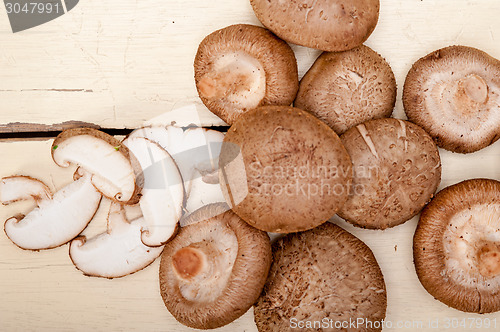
(347, 88)
(397, 169)
(243, 66)
(322, 273)
(456, 246)
(213, 271)
(283, 170)
(327, 25)
(454, 94)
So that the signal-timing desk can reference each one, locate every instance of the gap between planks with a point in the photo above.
(27, 131)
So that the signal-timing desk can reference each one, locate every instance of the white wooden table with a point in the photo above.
(119, 64)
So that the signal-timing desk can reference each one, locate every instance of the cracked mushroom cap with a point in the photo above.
(348, 88)
(456, 247)
(397, 170)
(323, 273)
(454, 93)
(242, 67)
(283, 170)
(214, 269)
(327, 25)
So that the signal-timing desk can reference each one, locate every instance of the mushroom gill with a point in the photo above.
(214, 269)
(243, 66)
(456, 246)
(454, 93)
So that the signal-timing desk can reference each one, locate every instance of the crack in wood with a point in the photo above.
(53, 90)
(35, 131)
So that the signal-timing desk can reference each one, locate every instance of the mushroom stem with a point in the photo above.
(475, 88)
(489, 259)
(193, 260)
(216, 85)
(188, 262)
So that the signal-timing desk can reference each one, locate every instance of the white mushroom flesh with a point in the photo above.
(163, 191)
(213, 253)
(238, 78)
(57, 220)
(468, 106)
(115, 253)
(196, 152)
(472, 247)
(113, 174)
(19, 188)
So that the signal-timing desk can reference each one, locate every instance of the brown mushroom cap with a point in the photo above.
(397, 169)
(454, 93)
(322, 273)
(328, 25)
(283, 170)
(456, 247)
(348, 88)
(243, 66)
(214, 270)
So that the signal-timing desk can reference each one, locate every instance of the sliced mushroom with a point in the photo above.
(243, 66)
(162, 195)
(397, 169)
(21, 188)
(348, 88)
(104, 157)
(328, 25)
(456, 247)
(214, 269)
(454, 93)
(56, 220)
(283, 170)
(196, 152)
(117, 252)
(324, 273)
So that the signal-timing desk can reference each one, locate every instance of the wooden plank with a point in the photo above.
(122, 64)
(118, 64)
(43, 291)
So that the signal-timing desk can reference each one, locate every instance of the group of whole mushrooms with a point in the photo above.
(206, 199)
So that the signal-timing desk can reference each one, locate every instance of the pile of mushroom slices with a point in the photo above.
(165, 172)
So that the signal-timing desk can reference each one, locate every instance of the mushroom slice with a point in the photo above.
(243, 66)
(55, 221)
(456, 247)
(397, 169)
(283, 170)
(348, 88)
(454, 94)
(323, 273)
(163, 192)
(328, 25)
(196, 153)
(115, 253)
(20, 188)
(101, 155)
(214, 270)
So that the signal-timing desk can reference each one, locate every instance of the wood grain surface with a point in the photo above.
(120, 64)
